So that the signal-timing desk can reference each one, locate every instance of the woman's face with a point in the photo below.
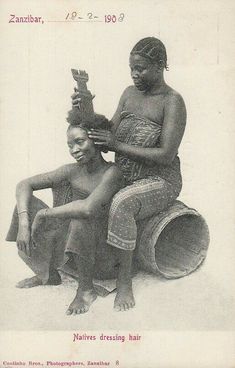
(80, 146)
(144, 73)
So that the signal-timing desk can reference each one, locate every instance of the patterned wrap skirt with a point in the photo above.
(149, 189)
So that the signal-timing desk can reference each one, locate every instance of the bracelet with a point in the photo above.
(24, 211)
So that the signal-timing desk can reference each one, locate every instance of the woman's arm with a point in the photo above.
(25, 188)
(24, 192)
(95, 204)
(172, 132)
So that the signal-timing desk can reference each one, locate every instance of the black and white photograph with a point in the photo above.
(117, 182)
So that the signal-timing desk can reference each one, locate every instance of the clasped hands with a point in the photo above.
(100, 137)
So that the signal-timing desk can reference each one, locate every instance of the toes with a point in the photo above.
(75, 311)
(117, 308)
(122, 307)
(22, 285)
(69, 312)
(84, 309)
(126, 306)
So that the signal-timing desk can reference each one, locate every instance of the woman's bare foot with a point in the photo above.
(124, 299)
(54, 279)
(29, 283)
(82, 301)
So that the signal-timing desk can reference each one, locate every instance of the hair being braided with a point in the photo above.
(100, 122)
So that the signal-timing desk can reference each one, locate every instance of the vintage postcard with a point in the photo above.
(117, 183)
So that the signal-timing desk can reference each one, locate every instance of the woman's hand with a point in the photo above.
(38, 224)
(23, 236)
(103, 138)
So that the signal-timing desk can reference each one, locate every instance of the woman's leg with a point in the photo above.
(81, 249)
(133, 203)
(47, 254)
(43, 260)
(43, 267)
(124, 299)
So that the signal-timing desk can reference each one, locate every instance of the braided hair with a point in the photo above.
(153, 49)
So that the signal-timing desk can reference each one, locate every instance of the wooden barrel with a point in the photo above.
(174, 242)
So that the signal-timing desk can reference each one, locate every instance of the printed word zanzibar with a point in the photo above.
(25, 19)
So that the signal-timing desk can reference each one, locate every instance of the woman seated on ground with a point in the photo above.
(78, 228)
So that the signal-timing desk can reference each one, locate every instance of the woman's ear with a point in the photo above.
(160, 65)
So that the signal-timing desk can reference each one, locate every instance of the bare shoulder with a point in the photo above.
(128, 92)
(114, 173)
(114, 170)
(129, 89)
(67, 169)
(174, 98)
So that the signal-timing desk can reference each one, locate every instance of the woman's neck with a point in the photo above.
(158, 87)
(95, 164)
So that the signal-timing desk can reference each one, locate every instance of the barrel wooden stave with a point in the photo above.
(174, 242)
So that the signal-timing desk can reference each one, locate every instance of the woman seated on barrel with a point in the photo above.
(147, 129)
(78, 228)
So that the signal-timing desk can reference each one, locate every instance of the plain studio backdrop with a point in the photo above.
(36, 85)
